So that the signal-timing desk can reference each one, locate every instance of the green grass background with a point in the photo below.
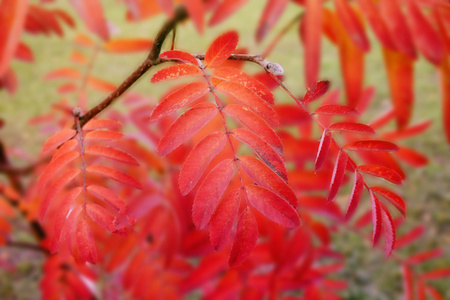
(427, 190)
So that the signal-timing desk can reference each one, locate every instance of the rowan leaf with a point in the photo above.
(186, 126)
(55, 188)
(179, 56)
(410, 237)
(437, 274)
(337, 110)
(371, 145)
(255, 123)
(265, 177)
(221, 223)
(352, 127)
(103, 135)
(312, 40)
(221, 49)
(389, 231)
(269, 17)
(358, 188)
(424, 256)
(236, 75)
(58, 138)
(210, 192)
(316, 91)
(199, 159)
(127, 45)
(177, 71)
(408, 284)
(267, 154)
(272, 206)
(383, 172)
(55, 166)
(400, 71)
(352, 24)
(86, 243)
(114, 175)
(107, 196)
(245, 239)
(101, 85)
(12, 20)
(100, 216)
(179, 98)
(338, 175)
(102, 124)
(249, 99)
(392, 197)
(91, 11)
(322, 152)
(225, 9)
(445, 87)
(111, 153)
(411, 157)
(376, 217)
(196, 11)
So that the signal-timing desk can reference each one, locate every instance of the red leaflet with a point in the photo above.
(395, 199)
(358, 188)
(186, 126)
(379, 27)
(407, 132)
(180, 56)
(262, 175)
(108, 196)
(338, 174)
(12, 19)
(352, 127)
(103, 135)
(424, 256)
(100, 216)
(312, 40)
(177, 71)
(127, 45)
(371, 145)
(336, 110)
(70, 145)
(352, 24)
(437, 274)
(267, 154)
(435, 295)
(255, 123)
(199, 159)
(236, 75)
(57, 139)
(100, 84)
(221, 224)
(67, 88)
(383, 172)
(400, 74)
(389, 231)
(427, 38)
(210, 192)
(316, 90)
(55, 166)
(408, 284)
(272, 206)
(91, 11)
(269, 17)
(410, 237)
(100, 124)
(411, 157)
(55, 188)
(445, 87)
(376, 217)
(292, 115)
(322, 152)
(179, 98)
(85, 242)
(221, 49)
(114, 175)
(111, 153)
(245, 239)
(249, 99)
(225, 9)
(24, 53)
(66, 73)
(196, 10)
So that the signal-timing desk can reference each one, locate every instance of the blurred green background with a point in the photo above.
(427, 190)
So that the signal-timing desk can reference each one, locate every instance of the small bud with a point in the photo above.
(274, 68)
(76, 112)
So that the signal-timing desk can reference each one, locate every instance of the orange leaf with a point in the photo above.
(127, 45)
(86, 242)
(225, 9)
(269, 17)
(221, 49)
(65, 73)
(177, 71)
(100, 84)
(111, 153)
(196, 10)
(58, 138)
(91, 11)
(352, 24)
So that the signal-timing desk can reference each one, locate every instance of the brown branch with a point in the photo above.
(28, 246)
(151, 60)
